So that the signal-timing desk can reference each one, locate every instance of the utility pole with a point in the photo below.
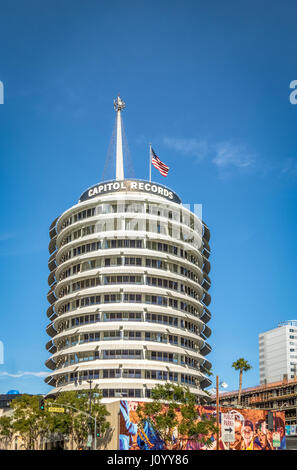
(90, 396)
(90, 411)
(218, 413)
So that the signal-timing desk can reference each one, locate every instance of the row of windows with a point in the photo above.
(128, 279)
(118, 207)
(128, 261)
(149, 226)
(124, 279)
(126, 335)
(128, 393)
(129, 374)
(122, 393)
(83, 284)
(136, 354)
(128, 298)
(168, 320)
(151, 245)
(166, 248)
(129, 316)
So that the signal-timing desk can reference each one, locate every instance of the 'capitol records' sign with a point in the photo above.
(127, 186)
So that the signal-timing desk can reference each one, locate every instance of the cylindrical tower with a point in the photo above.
(128, 292)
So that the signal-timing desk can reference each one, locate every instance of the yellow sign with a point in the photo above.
(54, 409)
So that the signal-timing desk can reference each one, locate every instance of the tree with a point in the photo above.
(6, 430)
(28, 420)
(75, 424)
(173, 411)
(33, 424)
(243, 366)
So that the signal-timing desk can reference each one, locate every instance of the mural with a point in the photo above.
(291, 430)
(251, 432)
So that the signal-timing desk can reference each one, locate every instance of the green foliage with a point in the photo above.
(6, 429)
(173, 409)
(241, 365)
(76, 424)
(28, 420)
(32, 423)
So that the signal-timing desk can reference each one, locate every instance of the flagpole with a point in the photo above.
(150, 169)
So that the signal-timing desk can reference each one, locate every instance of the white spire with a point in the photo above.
(119, 105)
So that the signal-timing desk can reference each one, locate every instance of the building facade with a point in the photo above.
(129, 281)
(278, 353)
(6, 399)
(276, 396)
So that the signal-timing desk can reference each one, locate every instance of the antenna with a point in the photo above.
(119, 105)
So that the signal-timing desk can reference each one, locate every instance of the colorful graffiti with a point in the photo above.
(251, 431)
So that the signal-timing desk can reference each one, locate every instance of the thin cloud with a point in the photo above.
(224, 155)
(23, 374)
(229, 154)
(289, 167)
(194, 147)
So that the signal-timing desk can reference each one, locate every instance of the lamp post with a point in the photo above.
(90, 413)
(224, 385)
(218, 411)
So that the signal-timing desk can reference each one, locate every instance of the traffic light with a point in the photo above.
(269, 420)
(41, 404)
(98, 434)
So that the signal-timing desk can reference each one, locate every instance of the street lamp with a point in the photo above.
(90, 381)
(224, 385)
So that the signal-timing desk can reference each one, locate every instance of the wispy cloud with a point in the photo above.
(224, 155)
(23, 374)
(289, 167)
(229, 154)
(197, 148)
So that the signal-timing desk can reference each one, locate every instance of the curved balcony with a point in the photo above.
(206, 366)
(206, 283)
(206, 232)
(52, 245)
(52, 265)
(51, 296)
(206, 265)
(206, 299)
(53, 228)
(206, 382)
(51, 314)
(50, 329)
(206, 349)
(50, 346)
(50, 364)
(205, 316)
(206, 332)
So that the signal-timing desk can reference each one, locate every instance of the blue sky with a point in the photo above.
(208, 84)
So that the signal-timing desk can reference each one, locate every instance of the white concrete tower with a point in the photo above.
(128, 290)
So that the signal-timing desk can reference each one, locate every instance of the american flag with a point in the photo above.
(163, 169)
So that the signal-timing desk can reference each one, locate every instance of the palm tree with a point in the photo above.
(243, 366)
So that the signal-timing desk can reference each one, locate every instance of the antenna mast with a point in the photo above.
(119, 105)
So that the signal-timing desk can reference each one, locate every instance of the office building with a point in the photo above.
(278, 353)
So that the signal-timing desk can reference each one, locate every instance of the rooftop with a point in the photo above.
(260, 388)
